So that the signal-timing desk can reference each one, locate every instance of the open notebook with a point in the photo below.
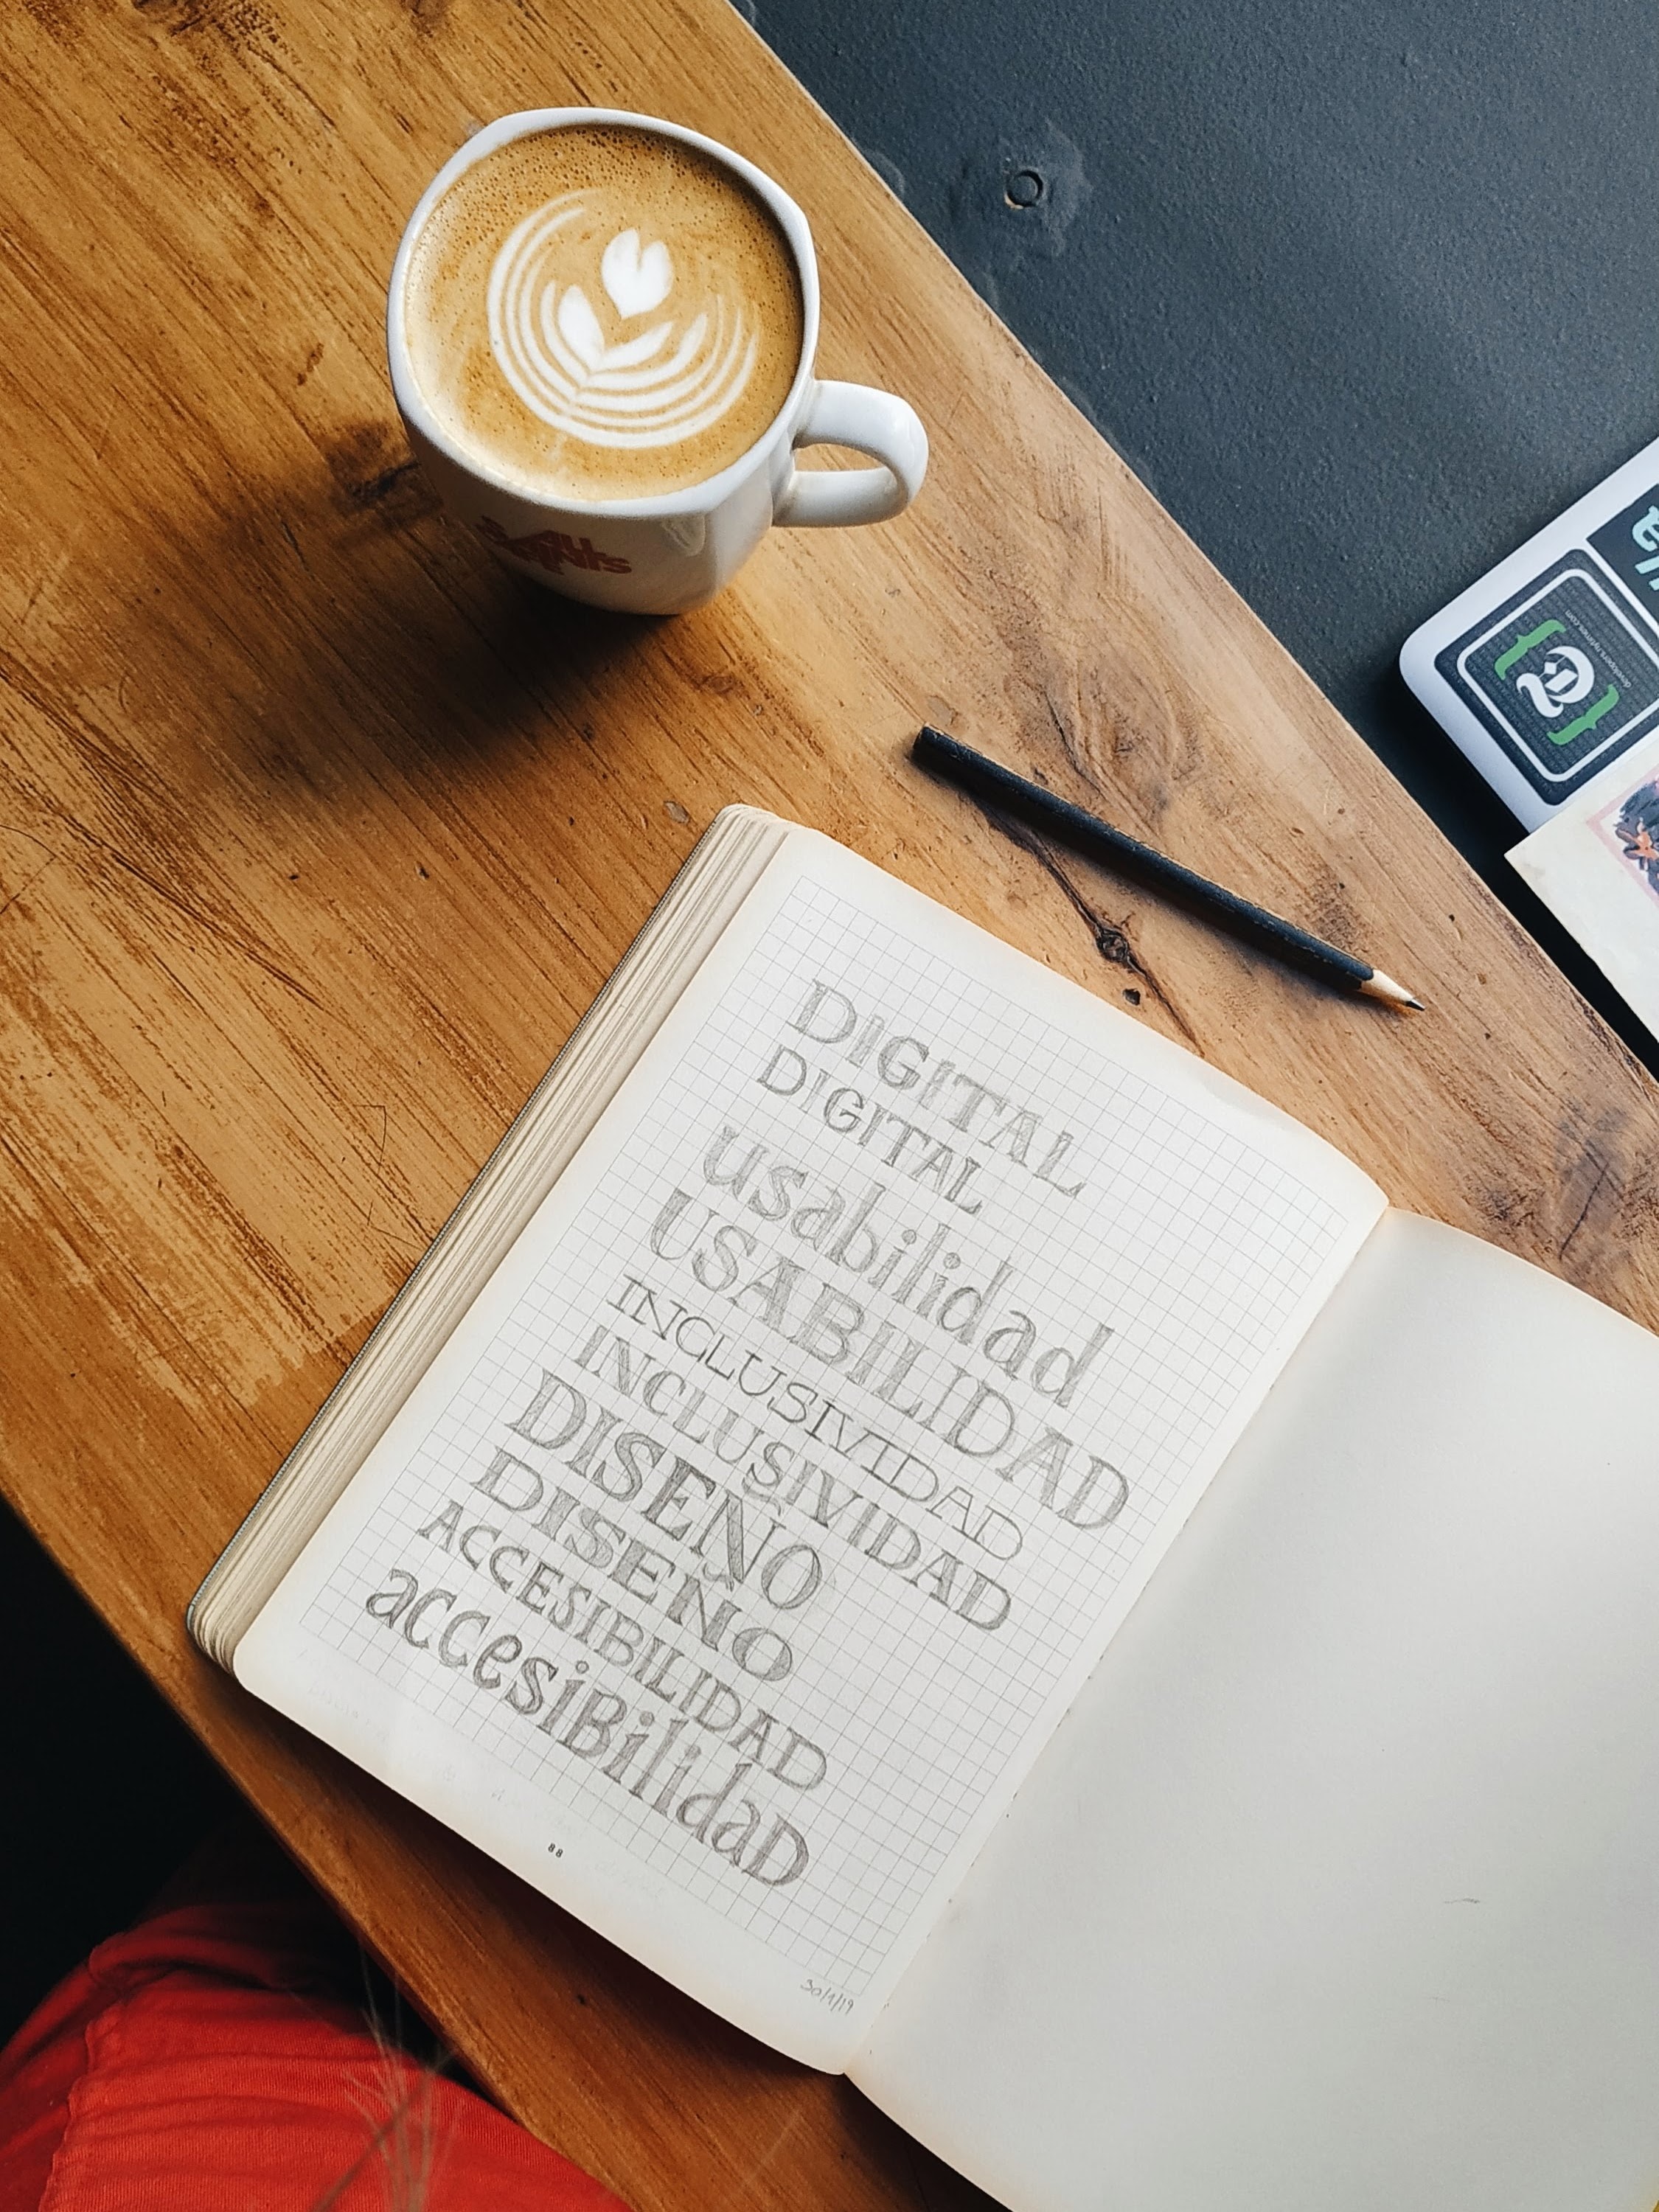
(727, 1527)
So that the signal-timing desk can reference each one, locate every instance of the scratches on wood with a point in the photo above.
(1109, 938)
(1602, 1170)
(227, 935)
(375, 474)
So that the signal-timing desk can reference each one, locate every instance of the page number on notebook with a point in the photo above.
(555, 1851)
(837, 2000)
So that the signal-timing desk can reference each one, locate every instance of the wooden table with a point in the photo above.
(318, 833)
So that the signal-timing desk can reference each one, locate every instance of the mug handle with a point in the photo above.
(873, 422)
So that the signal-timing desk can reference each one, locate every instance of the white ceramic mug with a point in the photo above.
(661, 554)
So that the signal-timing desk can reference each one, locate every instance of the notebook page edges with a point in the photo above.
(514, 1180)
(729, 1565)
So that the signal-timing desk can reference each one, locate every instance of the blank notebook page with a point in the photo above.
(1339, 1884)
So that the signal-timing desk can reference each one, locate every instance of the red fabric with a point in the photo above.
(207, 2062)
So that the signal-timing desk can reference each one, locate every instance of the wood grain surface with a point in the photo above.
(317, 833)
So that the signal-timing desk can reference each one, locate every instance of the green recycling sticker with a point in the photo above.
(1563, 678)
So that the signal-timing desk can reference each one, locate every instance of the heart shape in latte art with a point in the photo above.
(578, 326)
(666, 385)
(637, 278)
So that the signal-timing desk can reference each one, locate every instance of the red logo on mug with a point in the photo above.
(553, 550)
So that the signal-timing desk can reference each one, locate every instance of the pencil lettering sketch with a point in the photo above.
(765, 1528)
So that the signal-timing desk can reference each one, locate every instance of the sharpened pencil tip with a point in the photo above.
(1379, 986)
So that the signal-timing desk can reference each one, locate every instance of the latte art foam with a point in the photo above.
(553, 349)
(633, 332)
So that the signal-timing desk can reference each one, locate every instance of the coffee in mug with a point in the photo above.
(602, 313)
(601, 329)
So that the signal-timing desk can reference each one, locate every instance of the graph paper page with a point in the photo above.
(730, 1566)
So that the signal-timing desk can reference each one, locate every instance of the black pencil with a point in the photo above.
(1097, 840)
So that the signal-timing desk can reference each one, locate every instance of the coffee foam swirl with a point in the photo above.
(598, 310)
(651, 390)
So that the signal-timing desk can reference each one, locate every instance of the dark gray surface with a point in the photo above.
(1364, 292)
